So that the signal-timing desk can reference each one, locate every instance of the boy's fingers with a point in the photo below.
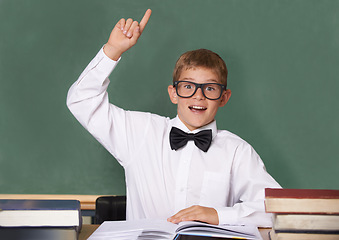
(121, 24)
(196, 213)
(145, 19)
(127, 25)
(179, 215)
(130, 32)
(136, 35)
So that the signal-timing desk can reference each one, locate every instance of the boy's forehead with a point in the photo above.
(199, 74)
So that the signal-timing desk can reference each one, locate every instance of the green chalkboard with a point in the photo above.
(282, 56)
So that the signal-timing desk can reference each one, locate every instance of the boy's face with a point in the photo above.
(198, 111)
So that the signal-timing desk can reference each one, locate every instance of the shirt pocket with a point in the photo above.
(215, 190)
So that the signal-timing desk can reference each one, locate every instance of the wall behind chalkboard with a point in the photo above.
(283, 59)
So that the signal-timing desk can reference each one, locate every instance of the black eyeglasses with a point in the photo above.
(187, 89)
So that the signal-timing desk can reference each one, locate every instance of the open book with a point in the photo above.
(161, 229)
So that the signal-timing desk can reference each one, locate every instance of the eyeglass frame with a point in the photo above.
(199, 85)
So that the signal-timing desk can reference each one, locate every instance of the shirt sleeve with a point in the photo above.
(112, 126)
(249, 180)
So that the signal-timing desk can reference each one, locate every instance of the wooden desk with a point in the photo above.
(87, 230)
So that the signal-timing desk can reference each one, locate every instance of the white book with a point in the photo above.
(40, 213)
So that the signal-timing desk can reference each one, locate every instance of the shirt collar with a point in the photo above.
(176, 122)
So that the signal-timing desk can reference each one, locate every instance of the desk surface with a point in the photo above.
(87, 230)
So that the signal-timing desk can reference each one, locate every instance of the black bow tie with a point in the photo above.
(201, 139)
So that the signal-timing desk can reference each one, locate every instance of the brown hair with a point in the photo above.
(201, 58)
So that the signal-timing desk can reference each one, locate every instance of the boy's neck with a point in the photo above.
(179, 123)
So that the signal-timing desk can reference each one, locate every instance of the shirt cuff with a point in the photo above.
(227, 215)
(231, 215)
(106, 64)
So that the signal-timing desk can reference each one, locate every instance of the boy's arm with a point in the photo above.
(125, 35)
(88, 100)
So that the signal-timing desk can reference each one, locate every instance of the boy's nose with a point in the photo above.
(199, 94)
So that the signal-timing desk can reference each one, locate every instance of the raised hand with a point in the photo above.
(125, 35)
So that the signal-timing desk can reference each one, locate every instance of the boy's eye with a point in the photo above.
(210, 88)
(188, 86)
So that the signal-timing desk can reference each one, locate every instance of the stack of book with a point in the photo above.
(40, 219)
(303, 213)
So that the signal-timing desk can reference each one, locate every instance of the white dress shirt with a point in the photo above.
(229, 177)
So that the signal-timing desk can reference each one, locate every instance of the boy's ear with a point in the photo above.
(225, 97)
(172, 94)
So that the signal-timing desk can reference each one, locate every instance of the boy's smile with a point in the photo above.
(197, 108)
(198, 111)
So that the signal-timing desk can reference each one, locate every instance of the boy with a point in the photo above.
(213, 176)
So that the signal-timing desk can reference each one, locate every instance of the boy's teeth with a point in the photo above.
(198, 107)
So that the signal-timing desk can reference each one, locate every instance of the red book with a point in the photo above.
(310, 201)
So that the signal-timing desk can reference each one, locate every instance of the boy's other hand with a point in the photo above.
(125, 35)
(196, 213)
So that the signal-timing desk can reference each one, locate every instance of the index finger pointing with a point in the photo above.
(144, 20)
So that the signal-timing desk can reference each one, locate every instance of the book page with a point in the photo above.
(208, 230)
(134, 229)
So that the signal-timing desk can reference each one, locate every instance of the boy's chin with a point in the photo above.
(194, 122)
